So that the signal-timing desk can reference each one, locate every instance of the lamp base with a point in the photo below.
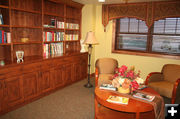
(88, 85)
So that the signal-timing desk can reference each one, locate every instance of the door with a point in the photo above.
(84, 68)
(13, 94)
(68, 73)
(59, 76)
(45, 81)
(30, 83)
(77, 71)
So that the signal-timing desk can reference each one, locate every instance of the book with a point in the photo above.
(118, 99)
(107, 87)
(144, 96)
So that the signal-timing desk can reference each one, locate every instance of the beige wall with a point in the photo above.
(91, 14)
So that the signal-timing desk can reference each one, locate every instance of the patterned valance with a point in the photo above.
(146, 11)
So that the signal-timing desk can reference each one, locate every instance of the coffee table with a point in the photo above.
(134, 109)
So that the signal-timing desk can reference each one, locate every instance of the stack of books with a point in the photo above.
(144, 96)
(108, 87)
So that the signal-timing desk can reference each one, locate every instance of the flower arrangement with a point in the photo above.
(127, 78)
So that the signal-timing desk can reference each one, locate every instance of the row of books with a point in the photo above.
(5, 37)
(53, 36)
(70, 37)
(62, 25)
(72, 26)
(52, 49)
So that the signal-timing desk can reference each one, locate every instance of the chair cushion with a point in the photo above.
(106, 65)
(164, 88)
(171, 72)
(104, 79)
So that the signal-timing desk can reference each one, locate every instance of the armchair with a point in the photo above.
(104, 70)
(166, 82)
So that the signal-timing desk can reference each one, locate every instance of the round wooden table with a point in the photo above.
(134, 109)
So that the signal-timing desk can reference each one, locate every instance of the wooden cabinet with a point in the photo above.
(30, 85)
(25, 82)
(13, 91)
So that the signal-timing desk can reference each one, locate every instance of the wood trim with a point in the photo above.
(174, 91)
(149, 75)
(176, 57)
(96, 76)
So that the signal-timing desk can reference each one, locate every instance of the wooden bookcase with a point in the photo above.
(40, 28)
(29, 22)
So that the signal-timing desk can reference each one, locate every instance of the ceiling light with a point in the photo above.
(101, 0)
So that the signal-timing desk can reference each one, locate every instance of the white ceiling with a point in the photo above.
(112, 1)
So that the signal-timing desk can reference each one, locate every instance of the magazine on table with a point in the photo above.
(118, 99)
(142, 87)
(144, 96)
(107, 87)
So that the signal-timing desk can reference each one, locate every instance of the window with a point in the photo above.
(133, 36)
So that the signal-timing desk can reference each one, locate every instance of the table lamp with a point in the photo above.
(90, 40)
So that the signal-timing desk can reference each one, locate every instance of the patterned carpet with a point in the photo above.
(72, 102)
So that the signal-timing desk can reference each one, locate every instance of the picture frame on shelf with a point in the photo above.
(20, 55)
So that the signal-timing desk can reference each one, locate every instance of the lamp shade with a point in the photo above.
(90, 38)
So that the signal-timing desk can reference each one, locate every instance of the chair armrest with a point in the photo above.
(175, 90)
(154, 76)
(96, 76)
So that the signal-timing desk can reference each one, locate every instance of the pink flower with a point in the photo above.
(135, 85)
(130, 74)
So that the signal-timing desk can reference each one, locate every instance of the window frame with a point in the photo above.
(140, 53)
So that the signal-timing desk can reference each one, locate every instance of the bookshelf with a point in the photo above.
(49, 32)
(50, 27)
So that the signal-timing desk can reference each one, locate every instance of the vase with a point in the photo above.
(123, 90)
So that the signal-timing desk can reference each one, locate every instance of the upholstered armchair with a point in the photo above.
(105, 69)
(166, 82)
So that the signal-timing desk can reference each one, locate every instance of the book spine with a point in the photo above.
(0, 36)
(8, 37)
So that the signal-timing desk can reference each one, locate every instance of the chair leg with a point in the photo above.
(172, 100)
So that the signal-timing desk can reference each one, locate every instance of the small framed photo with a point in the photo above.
(19, 55)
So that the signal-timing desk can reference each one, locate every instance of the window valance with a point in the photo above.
(146, 11)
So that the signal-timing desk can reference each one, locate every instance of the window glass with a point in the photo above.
(166, 44)
(133, 26)
(132, 42)
(170, 26)
(124, 24)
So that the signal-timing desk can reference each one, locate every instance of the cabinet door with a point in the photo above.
(45, 81)
(1, 94)
(30, 83)
(13, 91)
(84, 69)
(59, 76)
(77, 71)
(68, 73)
